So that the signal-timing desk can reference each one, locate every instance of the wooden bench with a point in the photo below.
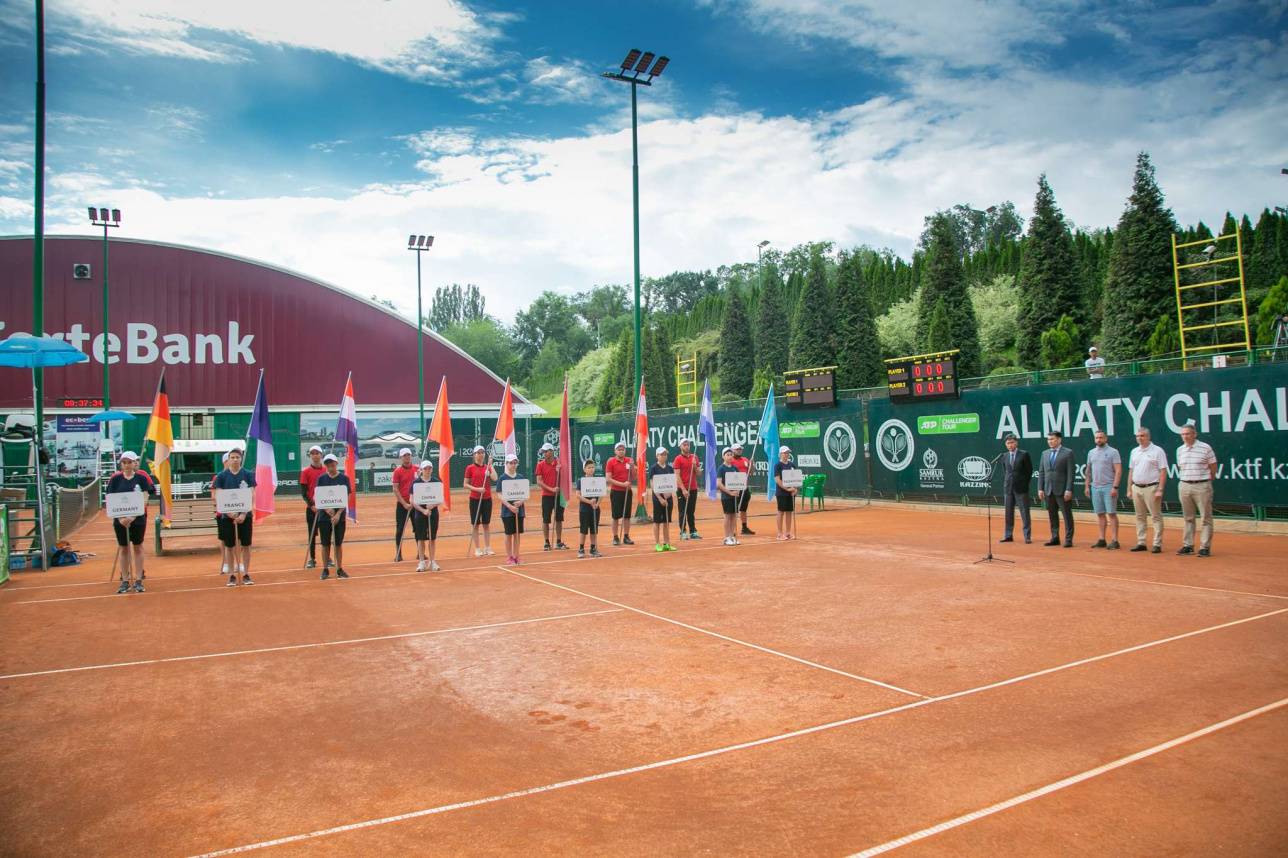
(187, 518)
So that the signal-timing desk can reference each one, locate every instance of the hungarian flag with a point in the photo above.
(265, 462)
(346, 433)
(641, 444)
(161, 434)
(505, 423)
(440, 432)
(565, 451)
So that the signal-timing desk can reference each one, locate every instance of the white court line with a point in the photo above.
(1066, 782)
(714, 752)
(701, 630)
(289, 647)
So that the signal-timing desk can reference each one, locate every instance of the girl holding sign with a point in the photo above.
(129, 531)
(424, 516)
(331, 520)
(663, 501)
(589, 511)
(479, 477)
(235, 527)
(728, 496)
(785, 494)
(512, 512)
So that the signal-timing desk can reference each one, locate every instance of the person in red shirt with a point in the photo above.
(404, 475)
(547, 472)
(687, 469)
(743, 464)
(617, 470)
(308, 482)
(479, 476)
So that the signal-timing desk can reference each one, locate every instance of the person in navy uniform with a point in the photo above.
(130, 531)
(512, 514)
(235, 531)
(663, 504)
(331, 521)
(785, 497)
(728, 496)
(424, 521)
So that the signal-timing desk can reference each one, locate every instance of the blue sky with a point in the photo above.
(318, 135)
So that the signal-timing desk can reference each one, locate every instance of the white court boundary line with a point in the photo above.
(713, 752)
(317, 645)
(950, 824)
(713, 634)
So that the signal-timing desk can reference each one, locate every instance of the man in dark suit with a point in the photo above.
(1055, 486)
(1017, 478)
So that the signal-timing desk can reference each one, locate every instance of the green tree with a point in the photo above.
(1140, 285)
(939, 329)
(761, 382)
(1164, 340)
(897, 328)
(1047, 281)
(813, 324)
(942, 280)
(603, 309)
(665, 351)
(1264, 268)
(587, 378)
(487, 342)
(996, 306)
(455, 305)
(858, 350)
(1274, 305)
(773, 331)
(1061, 346)
(619, 376)
(737, 358)
(550, 317)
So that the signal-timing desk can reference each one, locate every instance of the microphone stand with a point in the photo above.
(988, 555)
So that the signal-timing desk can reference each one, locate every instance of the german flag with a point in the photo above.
(161, 434)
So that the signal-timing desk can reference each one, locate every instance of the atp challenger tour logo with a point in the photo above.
(895, 445)
(839, 445)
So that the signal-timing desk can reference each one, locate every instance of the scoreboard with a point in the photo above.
(810, 387)
(918, 377)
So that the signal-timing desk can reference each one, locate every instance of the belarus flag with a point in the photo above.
(265, 463)
(641, 444)
(346, 432)
(505, 423)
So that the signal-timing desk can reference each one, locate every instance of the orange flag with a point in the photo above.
(440, 432)
(505, 423)
(641, 443)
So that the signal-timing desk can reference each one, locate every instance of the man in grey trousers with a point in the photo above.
(1055, 486)
(1017, 477)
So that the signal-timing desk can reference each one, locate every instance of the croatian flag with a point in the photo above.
(265, 463)
(707, 429)
(346, 432)
(641, 444)
(769, 435)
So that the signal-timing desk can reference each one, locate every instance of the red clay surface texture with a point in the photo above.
(866, 688)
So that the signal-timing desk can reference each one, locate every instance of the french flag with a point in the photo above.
(265, 464)
(346, 432)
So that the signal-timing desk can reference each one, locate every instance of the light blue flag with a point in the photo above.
(707, 429)
(768, 435)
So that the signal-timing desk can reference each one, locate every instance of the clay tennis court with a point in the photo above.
(864, 688)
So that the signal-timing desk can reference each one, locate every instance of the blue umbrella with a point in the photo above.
(112, 414)
(24, 351)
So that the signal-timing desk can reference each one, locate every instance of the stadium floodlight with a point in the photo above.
(420, 244)
(116, 215)
(629, 62)
(93, 214)
(107, 218)
(760, 277)
(643, 64)
(763, 244)
(659, 66)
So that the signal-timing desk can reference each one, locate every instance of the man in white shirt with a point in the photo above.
(1095, 364)
(1148, 468)
(1196, 469)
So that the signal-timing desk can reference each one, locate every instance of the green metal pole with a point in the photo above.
(420, 362)
(38, 250)
(107, 396)
(635, 188)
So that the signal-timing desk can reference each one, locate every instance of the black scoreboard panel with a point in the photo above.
(805, 387)
(915, 379)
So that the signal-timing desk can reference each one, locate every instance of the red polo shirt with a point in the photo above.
(477, 476)
(309, 479)
(548, 473)
(404, 475)
(686, 470)
(741, 463)
(618, 469)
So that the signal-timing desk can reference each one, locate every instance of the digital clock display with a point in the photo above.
(81, 402)
(917, 378)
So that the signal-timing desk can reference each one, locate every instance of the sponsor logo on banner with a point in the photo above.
(947, 424)
(809, 460)
(586, 450)
(840, 446)
(800, 429)
(605, 438)
(932, 476)
(974, 472)
(552, 436)
(895, 445)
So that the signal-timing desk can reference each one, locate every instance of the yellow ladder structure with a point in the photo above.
(686, 381)
(1221, 272)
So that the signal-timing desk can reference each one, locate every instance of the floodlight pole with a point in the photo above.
(38, 232)
(420, 244)
(103, 217)
(635, 207)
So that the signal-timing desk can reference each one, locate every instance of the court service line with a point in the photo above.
(317, 645)
(714, 634)
(700, 755)
(950, 824)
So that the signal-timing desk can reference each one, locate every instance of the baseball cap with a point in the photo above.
(736, 447)
(511, 458)
(784, 449)
(726, 450)
(1093, 349)
(620, 445)
(547, 446)
(130, 454)
(405, 451)
(330, 457)
(661, 450)
(315, 449)
(480, 449)
(426, 463)
(686, 440)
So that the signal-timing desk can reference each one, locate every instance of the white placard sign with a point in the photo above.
(515, 491)
(234, 501)
(593, 487)
(735, 482)
(664, 484)
(331, 497)
(427, 494)
(126, 504)
(793, 478)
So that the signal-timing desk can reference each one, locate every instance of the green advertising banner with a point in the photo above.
(823, 440)
(4, 544)
(946, 447)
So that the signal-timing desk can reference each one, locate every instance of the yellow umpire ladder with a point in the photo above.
(1211, 300)
(686, 381)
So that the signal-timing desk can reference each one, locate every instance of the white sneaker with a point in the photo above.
(478, 552)
(433, 566)
(420, 565)
(488, 551)
(737, 541)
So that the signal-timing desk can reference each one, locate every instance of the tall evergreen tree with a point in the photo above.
(1048, 282)
(939, 328)
(858, 352)
(659, 371)
(942, 279)
(737, 357)
(1140, 287)
(773, 331)
(666, 358)
(813, 324)
(615, 389)
(1263, 269)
